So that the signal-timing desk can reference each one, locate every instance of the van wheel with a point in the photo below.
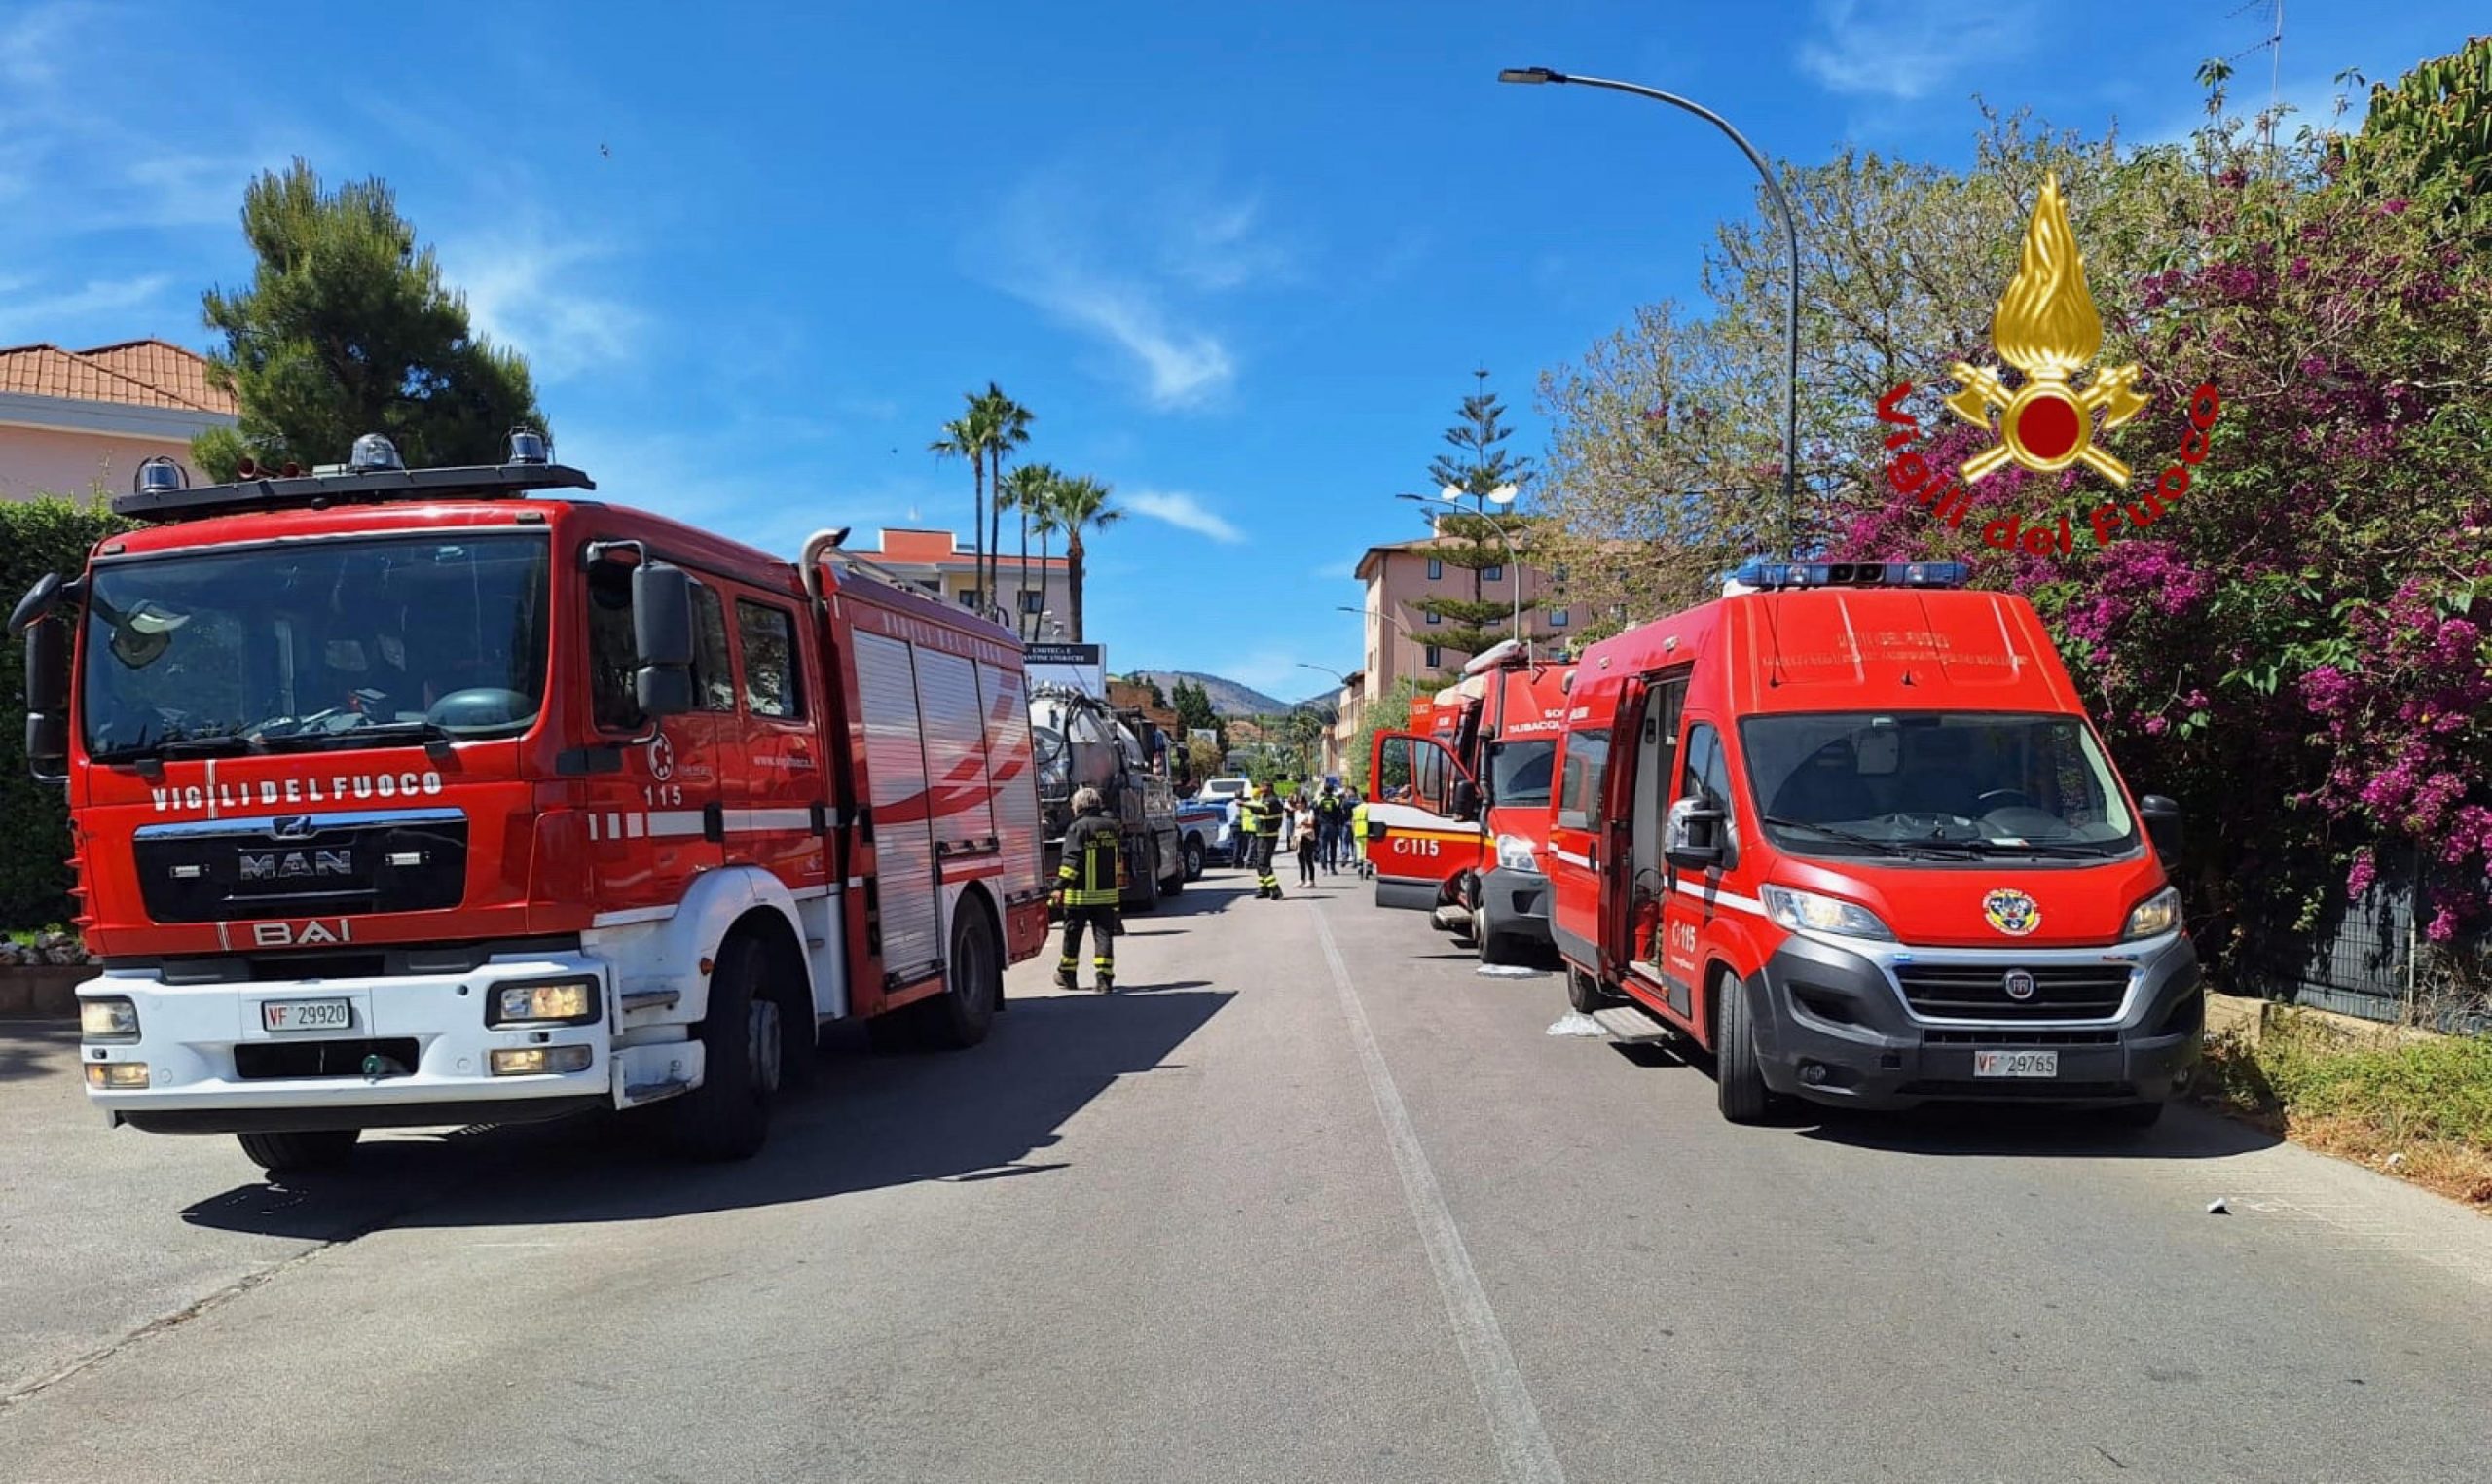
(728, 1115)
(1583, 991)
(1738, 1078)
(960, 1017)
(1194, 858)
(300, 1149)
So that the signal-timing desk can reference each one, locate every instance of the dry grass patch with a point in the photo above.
(2420, 1109)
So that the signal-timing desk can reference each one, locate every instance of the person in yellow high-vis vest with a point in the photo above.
(1089, 883)
(1358, 836)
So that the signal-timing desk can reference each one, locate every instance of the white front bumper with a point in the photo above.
(188, 1034)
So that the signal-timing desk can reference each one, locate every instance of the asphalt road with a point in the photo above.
(1310, 1200)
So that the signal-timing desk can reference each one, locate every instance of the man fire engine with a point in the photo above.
(401, 798)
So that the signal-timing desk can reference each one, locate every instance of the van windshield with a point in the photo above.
(1969, 782)
(1519, 771)
(323, 646)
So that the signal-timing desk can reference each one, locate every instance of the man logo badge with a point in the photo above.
(2019, 984)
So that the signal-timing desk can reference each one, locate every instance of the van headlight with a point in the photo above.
(1813, 911)
(2154, 917)
(1514, 854)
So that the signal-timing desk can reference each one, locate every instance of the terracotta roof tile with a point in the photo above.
(133, 374)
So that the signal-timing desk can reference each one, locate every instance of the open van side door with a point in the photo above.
(1422, 819)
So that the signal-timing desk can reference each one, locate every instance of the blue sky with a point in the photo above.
(1241, 259)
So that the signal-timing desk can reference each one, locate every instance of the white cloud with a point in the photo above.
(525, 292)
(1184, 511)
(1182, 367)
(55, 316)
(1136, 267)
(1903, 49)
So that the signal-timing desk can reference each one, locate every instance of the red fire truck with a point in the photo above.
(403, 798)
(1468, 854)
(1848, 829)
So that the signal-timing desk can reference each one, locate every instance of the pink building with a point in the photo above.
(71, 421)
(1401, 574)
(945, 566)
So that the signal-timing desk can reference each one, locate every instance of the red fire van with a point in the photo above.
(1848, 829)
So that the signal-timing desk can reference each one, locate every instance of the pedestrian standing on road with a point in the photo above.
(1358, 837)
(1089, 883)
(1259, 816)
(1304, 842)
(1333, 827)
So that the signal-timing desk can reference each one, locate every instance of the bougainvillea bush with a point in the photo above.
(2297, 648)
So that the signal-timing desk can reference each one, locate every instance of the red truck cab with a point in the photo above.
(1850, 830)
(1458, 803)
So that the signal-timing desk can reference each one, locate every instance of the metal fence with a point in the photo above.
(2369, 957)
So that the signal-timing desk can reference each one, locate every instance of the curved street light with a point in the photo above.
(1791, 241)
(1503, 495)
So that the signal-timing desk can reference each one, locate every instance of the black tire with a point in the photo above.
(727, 1116)
(1175, 881)
(1738, 1077)
(1195, 860)
(1141, 883)
(960, 1017)
(300, 1149)
(1583, 991)
(2135, 1117)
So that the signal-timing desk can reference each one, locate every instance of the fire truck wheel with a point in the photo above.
(1583, 991)
(958, 1017)
(1739, 1079)
(728, 1115)
(1145, 896)
(1175, 881)
(301, 1149)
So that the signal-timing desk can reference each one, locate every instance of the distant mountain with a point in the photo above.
(1228, 697)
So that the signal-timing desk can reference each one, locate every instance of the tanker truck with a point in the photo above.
(1079, 741)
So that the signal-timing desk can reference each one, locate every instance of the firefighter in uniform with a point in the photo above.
(1088, 885)
(1259, 816)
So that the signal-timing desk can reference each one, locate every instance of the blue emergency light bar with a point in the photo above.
(1761, 574)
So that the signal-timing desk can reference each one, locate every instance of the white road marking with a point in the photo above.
(1523, 1453)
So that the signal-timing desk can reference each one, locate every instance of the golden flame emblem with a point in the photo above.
(2046, 327)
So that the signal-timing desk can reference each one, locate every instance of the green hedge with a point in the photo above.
(36, 536)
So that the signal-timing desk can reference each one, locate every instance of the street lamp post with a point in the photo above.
(1791, 241)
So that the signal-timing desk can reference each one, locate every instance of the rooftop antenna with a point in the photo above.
(2273, 44)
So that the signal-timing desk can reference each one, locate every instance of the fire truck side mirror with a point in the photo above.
(662, 639)
(48, 699)
(2162, 818)
(1693, 840)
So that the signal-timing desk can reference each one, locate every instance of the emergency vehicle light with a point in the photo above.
(374, 451)
(1759, 574)
(530, 447)
(158, 475)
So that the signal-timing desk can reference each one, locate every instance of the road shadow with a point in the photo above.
(1199, 900)
(2033, 1131)
(37, 1047)
(871, 1121)
(1163, 989)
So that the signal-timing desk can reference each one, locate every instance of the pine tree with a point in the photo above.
(1480, 465)
(346, 329)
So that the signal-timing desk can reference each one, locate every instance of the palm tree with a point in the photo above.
(1009, 428)
(1026, 489)
(1082, 504)
(969, 436)
(1046, 519)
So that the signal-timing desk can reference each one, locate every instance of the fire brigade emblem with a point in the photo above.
(2046, 327)
(661, 758)
(2011, 912)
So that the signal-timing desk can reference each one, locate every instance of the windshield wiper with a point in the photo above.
(1848, 837)
(221, 744)
(1987, 847)
(379, 734)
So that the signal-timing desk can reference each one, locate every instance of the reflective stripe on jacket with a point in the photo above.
(1093, 863)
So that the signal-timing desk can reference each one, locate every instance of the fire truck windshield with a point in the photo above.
(1519, 770)
(1952, 783)
(319, 645)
